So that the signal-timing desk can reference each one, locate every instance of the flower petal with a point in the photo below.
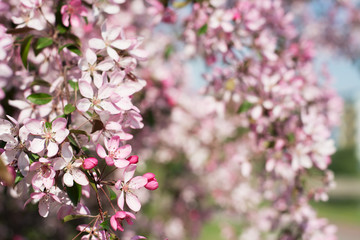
(97, 43)
(138, 182)
(52, 149)
(100, 151)
(120, 201)
(133, 202)
(58, 124)
(83, 105)
(121, 44)
(80, 177)
(68, 179)
(86, 90)
(129, 172)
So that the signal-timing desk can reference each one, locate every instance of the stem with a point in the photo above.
(108, 199)
(84, 228)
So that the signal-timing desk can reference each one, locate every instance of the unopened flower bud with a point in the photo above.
(133, 159)
(90, 163)
(152, 182)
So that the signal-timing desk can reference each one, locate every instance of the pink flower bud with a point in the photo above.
(90, 163)
(133, 159)
(152, 182)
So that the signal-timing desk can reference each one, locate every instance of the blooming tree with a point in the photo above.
(84, 75)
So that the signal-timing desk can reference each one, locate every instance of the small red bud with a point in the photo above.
(90, 163)
(133, 159)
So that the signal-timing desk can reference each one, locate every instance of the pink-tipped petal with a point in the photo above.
(138, 182)
(123, 151)
(121, 163)
(100, 151)
(133, 202)
(121, 201)
(96, 43)
(129, 172)
(52, 149)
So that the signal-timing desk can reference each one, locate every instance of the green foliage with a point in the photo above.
(69, 108)
(24, 49)
(39, 98)
(43, 43)
(244, 107)
(71, 47)
(74, 193)
(113, 195)
(105, 224)
(203, 29)
(40, 82)
(344, 162)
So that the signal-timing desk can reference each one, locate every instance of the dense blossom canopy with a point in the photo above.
(98, 90)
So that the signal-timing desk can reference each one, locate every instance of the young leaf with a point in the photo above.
(244, 107)
(43, 43)
(105, 224)
(74, 193)
(73, 217)
(24, 50)
(71, 47)
(69, 108)
(19, 177)
(48, 125)
(39, 98)
(74, 85)
(203, 29)
(113, 195)
(40, 82)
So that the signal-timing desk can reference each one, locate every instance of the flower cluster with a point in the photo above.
(74, 91)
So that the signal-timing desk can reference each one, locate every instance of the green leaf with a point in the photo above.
(105, 224)
(33, 157)
(113, 195)
(72, 141)
(24, 50)
(61, 29)
(73, 217)
(74, 85)
(40, 82)
(69, 108)
(203, 29)
(74, 193)
(244, 107)
(48, 125)
(71, 47)
(43, 43)
(168, 51)
(40, 98)
(19, 177)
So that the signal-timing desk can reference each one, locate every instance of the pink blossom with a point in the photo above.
(116, 220)
(116, 155)
(72, 13)
(47, 137)
(99, 101)
(45, 200)
(70, 166)
(127, 186)
(44, 174)
(90, 67)
(110, 41)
